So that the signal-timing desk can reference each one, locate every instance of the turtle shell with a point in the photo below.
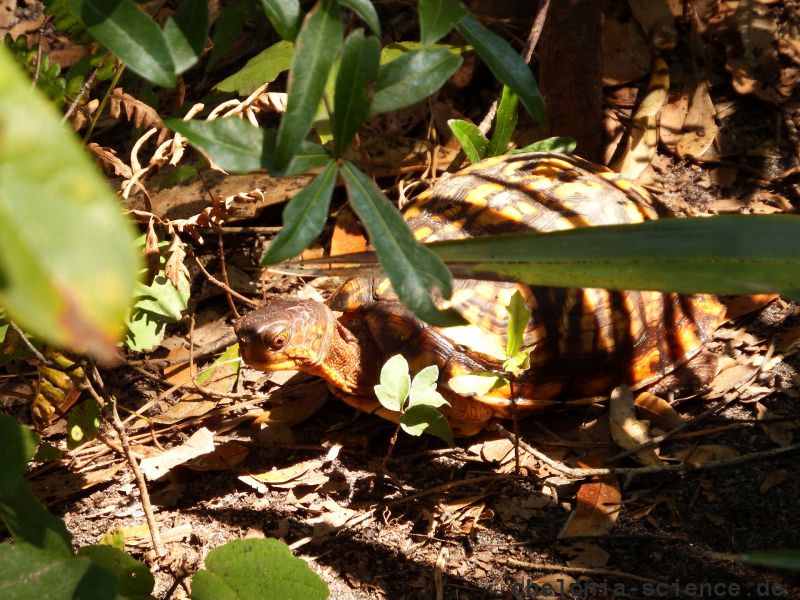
(584, 341)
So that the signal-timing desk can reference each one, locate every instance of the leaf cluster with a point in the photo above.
(417, 400)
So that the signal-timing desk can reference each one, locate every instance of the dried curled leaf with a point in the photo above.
(643, 139)
(109, 161)
(137, 112)
(217, 213)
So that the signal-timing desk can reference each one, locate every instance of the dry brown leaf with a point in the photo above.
(304, 473)
(626, 52)
(658, 411)
(107, 159)
(201, 442)
(294, 404)
(596, 510)
(775, 478)
(730, 379)
(789, 340)
(518, 510)
(224, 457)
(643, 137)
(780, 432)
(671, 119)
(700, 128)
(348, 236)
(655, 17)
(703, 454)
(587, 555)
(139, 113)
(8, 13)
(626, 430)
(553, 585)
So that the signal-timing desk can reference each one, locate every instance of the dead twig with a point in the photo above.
(117, 425)
(226, 288)
(527, 54)
(630, 471)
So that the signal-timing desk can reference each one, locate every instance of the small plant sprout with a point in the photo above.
(517, 361)
(417, 401)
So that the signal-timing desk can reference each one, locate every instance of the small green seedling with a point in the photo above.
(477, 146)
(517, 359)
(416, 400)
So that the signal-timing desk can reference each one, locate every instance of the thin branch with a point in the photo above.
(116, 423)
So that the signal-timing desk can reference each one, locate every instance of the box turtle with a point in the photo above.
(584, 341)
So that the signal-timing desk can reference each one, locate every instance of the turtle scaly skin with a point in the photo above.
(584, 342)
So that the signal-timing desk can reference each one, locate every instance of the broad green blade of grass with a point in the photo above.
(731, 254)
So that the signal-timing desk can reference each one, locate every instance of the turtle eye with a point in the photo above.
(278, 340)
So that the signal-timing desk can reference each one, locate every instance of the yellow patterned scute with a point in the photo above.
(585, 341)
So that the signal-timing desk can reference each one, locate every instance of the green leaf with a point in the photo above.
(17, 447)
(565, 145)
(506, 64)
(157, 304)
(396, 49)
(304, 217)
(395, 383)
(779, 559)
(471, 139)
(83, 422)
(366, 11)
(185, 33)
(426, 419)
(28, 521)
(238, 147)
(68, 261)
(357, 71)
(412, 77)
(318, 46)
(437, 18)
(411, 267)
(518, 317)
(284, 15)
(505, 122)
(423, 389)
(728, 254)
(263, 68)
(27, 572)
(253, 569)
(126, 30)
(227, 29)
(133, 579)
(519, 362)
(227, 363)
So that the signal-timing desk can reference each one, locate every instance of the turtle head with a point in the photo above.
(290, 334)
(286, 334)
